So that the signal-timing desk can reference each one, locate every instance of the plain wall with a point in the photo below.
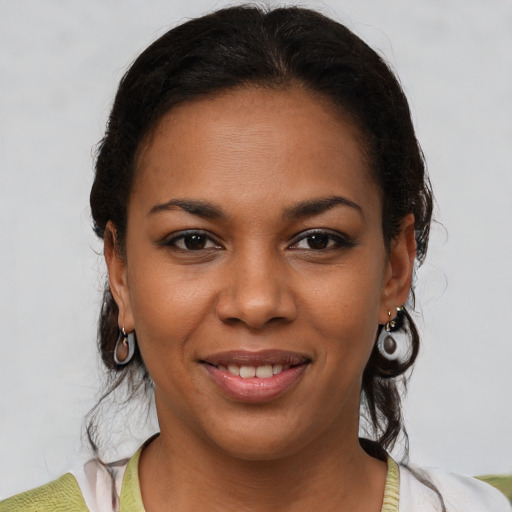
(60, 62)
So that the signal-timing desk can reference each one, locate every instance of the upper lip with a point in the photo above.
(256, 358)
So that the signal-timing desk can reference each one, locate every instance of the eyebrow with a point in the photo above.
(194, 207)
(295, 212)
(318, 206)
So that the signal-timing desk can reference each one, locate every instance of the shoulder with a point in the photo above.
(61, 495)
(419, 488)
(88, 487)
(91, 486)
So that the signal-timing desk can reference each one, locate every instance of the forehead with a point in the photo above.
(251, 144)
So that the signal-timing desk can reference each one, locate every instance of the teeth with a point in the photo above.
(277, 368)
(246, 372)
(235, 370)
(262, 372)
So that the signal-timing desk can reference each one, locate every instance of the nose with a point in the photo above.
(256, 291)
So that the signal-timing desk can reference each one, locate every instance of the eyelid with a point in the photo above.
(341, 239)
(170, 240)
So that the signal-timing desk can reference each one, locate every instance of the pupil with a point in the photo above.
(318, 241)
(195, 242)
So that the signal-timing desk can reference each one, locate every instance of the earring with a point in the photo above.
(125, 347)
(386, 342)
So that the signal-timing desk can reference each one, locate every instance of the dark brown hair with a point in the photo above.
(248, 45)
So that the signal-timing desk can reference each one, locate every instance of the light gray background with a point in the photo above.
(60, 62)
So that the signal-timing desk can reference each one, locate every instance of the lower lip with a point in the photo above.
(255, 390)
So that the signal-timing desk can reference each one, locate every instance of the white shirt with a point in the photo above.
(460, 493)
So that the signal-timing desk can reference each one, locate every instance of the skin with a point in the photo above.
(258, 283)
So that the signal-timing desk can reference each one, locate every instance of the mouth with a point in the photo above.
(255, 377)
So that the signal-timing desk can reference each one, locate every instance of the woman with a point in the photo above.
(263, 201)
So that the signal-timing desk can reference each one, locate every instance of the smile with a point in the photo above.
(261, 372)
(255, 377)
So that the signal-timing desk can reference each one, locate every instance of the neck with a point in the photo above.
(182, 473)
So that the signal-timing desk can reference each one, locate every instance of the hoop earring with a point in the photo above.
(387, 344)
(125, 347)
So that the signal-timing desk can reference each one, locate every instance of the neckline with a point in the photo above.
(131, 497)
(391, 488)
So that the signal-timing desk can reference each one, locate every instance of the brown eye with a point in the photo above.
(322, 240)
(318, 241)
(194, 242)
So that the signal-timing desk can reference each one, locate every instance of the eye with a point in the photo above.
(316, 241)
(321, 240)
(192, 241)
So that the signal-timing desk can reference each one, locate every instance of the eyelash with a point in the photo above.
(183, 235)
(335, 241)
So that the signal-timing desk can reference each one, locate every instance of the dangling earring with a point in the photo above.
(387, 343)
(125, 347)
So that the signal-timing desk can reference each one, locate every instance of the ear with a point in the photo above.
(400, 266)
(117, 276)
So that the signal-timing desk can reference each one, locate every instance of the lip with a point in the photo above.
(255, 390)
(258, 358)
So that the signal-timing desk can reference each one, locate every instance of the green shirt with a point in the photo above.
(64, 494)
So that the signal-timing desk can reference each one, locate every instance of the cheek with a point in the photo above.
(344, 310)
(168, 306)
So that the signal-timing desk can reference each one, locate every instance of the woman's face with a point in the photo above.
(256, 272)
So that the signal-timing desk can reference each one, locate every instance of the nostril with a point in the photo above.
(255, 312)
